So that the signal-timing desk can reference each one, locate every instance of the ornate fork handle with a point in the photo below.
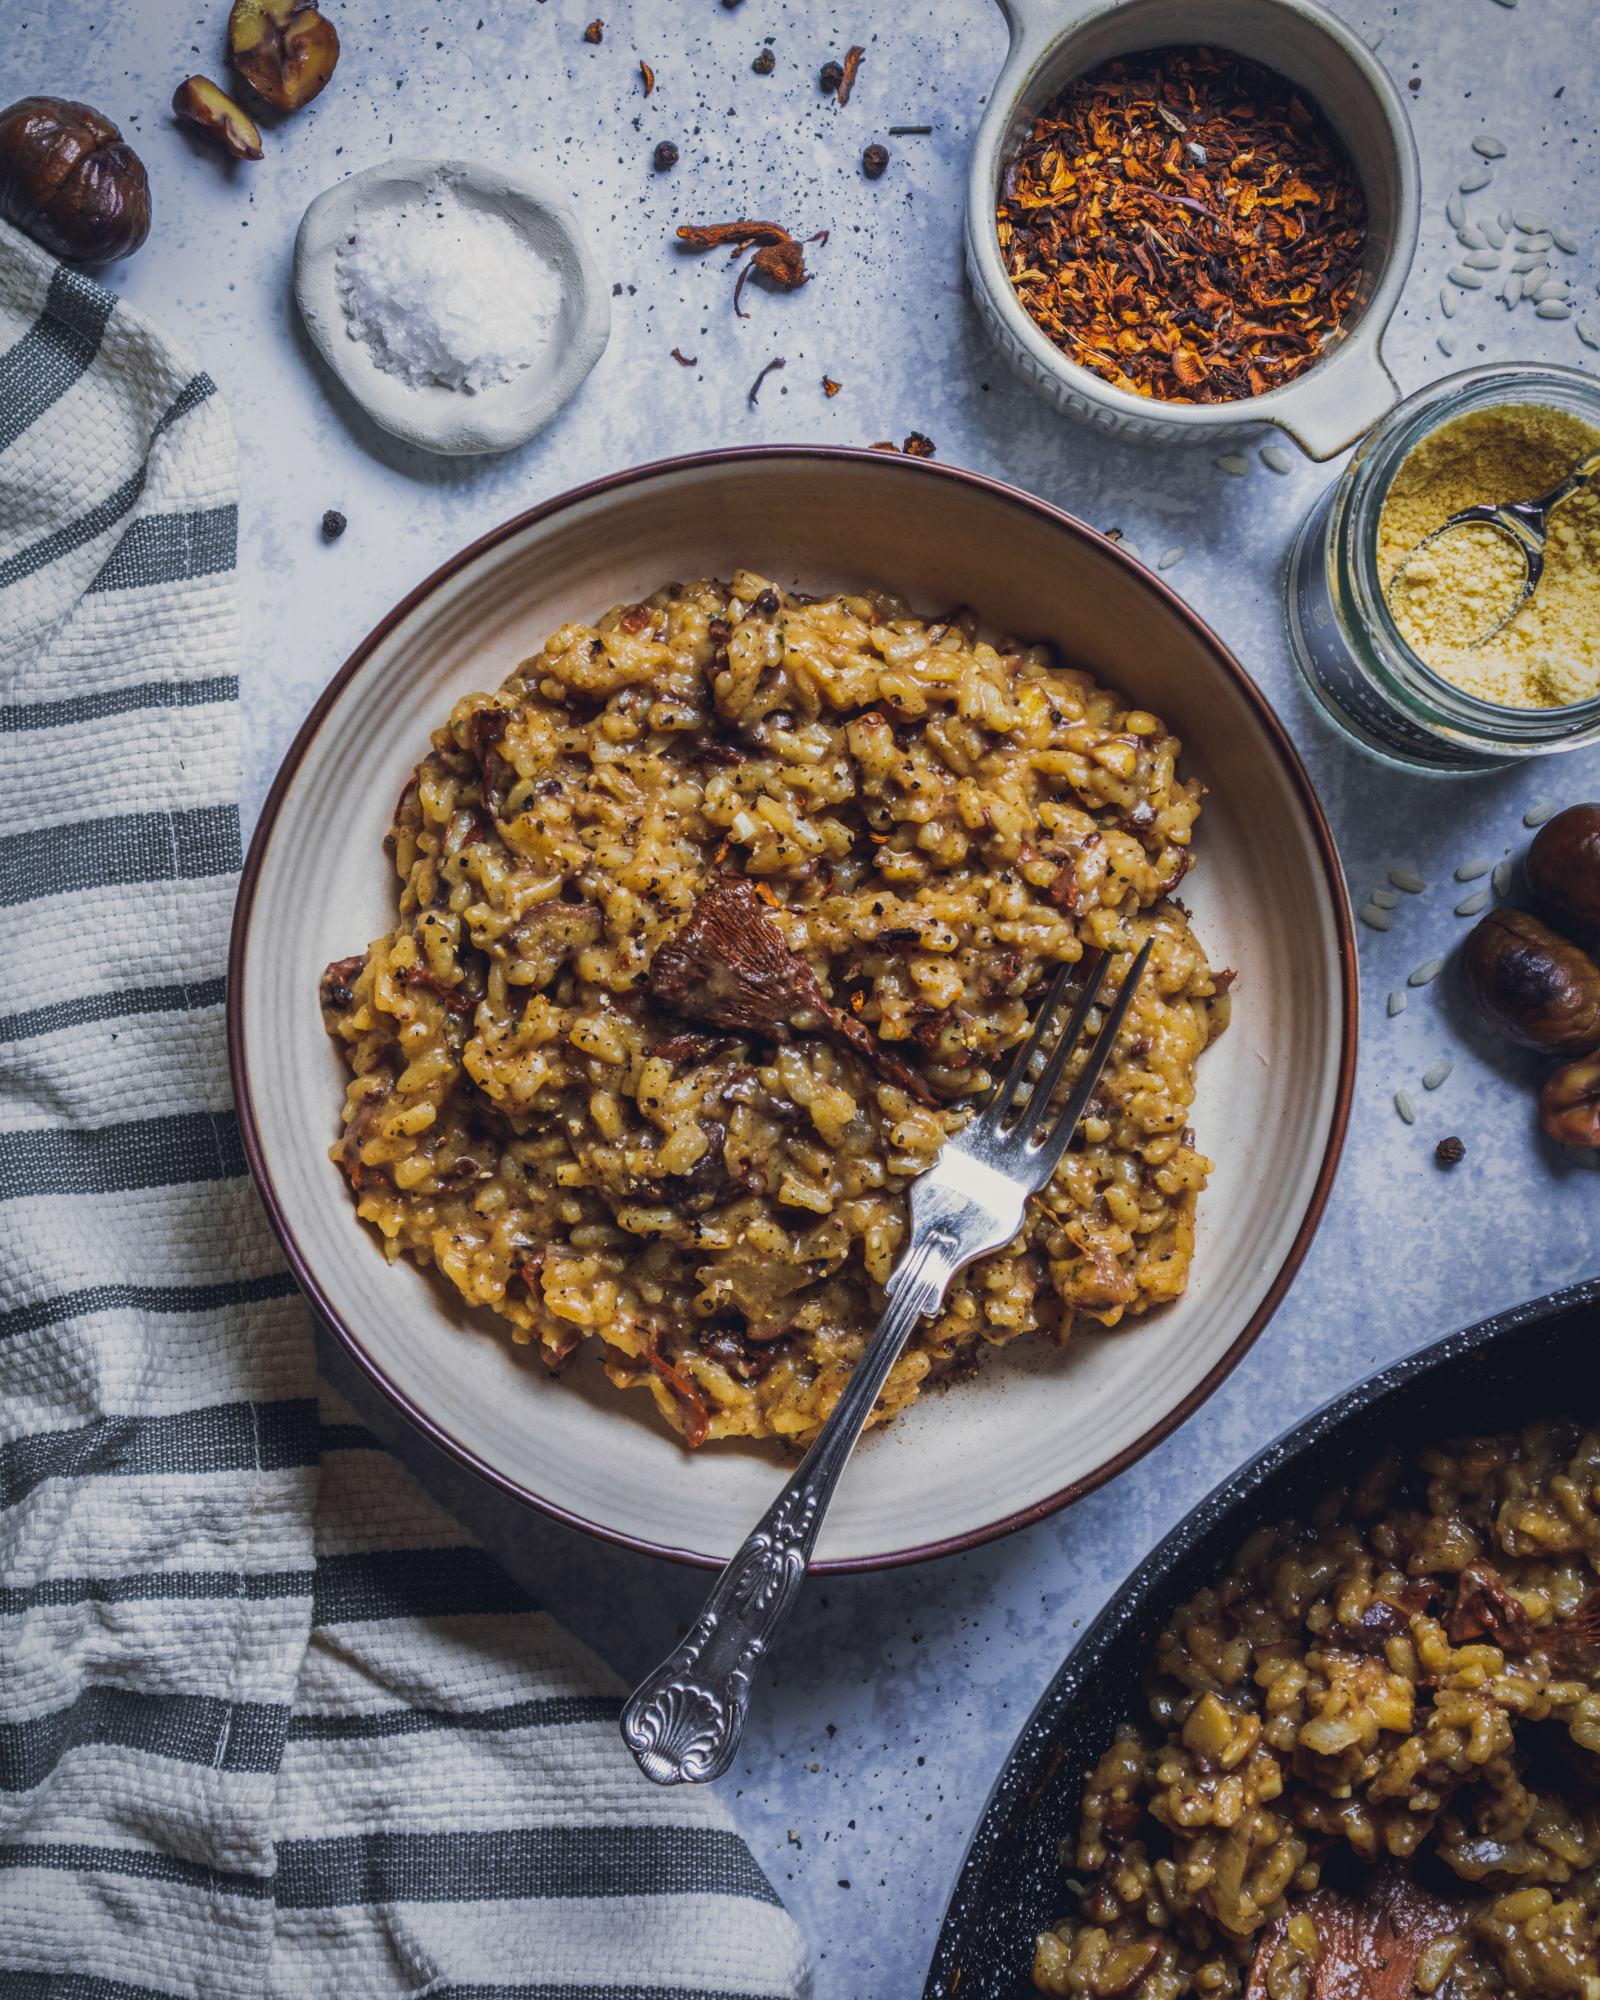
(683, 1722)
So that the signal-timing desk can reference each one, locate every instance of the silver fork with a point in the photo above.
(683, 1722)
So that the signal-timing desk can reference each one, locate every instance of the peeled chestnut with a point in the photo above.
(1569, 1104)
(284, 49)
(1563, 870)
(68, 181)
(1532, 985)
(205, 108)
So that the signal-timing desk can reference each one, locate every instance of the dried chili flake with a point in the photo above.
(685, 360)
(847, 80)
(772, 366)
(1185, 223)
(595, 32)
(830, 388)
(918, 444)
(647, 77)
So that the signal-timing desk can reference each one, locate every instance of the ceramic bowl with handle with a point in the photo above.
(1345, 392)
(1038, 1424)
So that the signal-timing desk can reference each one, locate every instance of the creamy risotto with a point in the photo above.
(715, 921)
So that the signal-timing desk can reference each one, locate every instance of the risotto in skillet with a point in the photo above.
(1371, 1768)
(714, 922)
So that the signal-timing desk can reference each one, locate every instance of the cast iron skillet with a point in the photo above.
(1536, 1359)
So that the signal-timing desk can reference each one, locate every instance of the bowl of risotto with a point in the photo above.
(1339, 1735)
(659, 886)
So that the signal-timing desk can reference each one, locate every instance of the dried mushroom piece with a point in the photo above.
(284, 49)
(68, 181)
(1486, 1609)
(1367, 1945)
(729, 966)
(779, 257)
(208, 109)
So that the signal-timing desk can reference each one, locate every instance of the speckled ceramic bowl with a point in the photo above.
(1037, 1425)
(1328, 407)
(1503, 1372)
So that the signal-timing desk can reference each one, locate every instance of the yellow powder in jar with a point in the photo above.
(1448, 597)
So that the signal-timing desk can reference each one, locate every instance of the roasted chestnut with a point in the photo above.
(205, 108)
(284, 49)
(68, 181)
(1569, 1104)
(1532, 985)
(1563, 870)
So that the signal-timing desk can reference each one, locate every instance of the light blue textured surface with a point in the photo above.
(873, 1743)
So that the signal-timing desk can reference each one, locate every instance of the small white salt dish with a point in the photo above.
(460, 422)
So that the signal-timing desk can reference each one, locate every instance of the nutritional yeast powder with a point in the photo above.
(1457, 590)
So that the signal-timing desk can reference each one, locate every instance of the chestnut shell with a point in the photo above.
(1532, 985)
(1563, 870)
(69, 181)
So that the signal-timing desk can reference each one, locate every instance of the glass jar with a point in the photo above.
(1345, 642)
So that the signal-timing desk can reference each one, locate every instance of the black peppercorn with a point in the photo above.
(831, 78)
(1450, 1152)
(874, 160)
(666, 156)
(763, 63)
(333, 525)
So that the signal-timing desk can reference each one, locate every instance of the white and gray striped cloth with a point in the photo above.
(268, 1725)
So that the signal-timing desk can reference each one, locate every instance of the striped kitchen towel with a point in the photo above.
(269, 1726)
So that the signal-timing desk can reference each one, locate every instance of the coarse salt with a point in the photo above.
(446, 293)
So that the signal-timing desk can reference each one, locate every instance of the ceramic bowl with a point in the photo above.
(1328, 407)
(1505, 1371)
(440, 419)
(1038, 1425)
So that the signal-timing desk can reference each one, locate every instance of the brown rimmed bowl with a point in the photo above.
(1038, 1426)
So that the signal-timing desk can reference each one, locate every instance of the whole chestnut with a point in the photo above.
(1563, 870)
(1532, 985)
(1569, 1104)
(68, 181)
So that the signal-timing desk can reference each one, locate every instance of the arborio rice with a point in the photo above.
(1372, 1765)
(715, 921)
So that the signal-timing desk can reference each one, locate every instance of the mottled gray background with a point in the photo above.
(875, 1739)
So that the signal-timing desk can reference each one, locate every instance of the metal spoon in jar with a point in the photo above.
(1525, 524)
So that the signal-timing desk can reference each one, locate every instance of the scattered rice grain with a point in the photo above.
(1493, 235)
(1386, 899)
(1473, 870)
(1455, 211)
(1553, 309)
(1170, 558)
(1276, 459)
(1397, 1002)
(1407, 879)
(1540, 811)
(1529, 261)
(1447, 302)
(1511, 290)
(1589, 333)
(1529, 223)
(1478, 177)
(1426, 972)
(1488, 147)
(1537, 240)
(1565, 241)
(1234, 463)
(1470, 906)
(1406, 1109)
(1552, 288)
(1469, 281)
(1501, 878)
(1481, 260)
(1469, 237)
(1447, 343)
(1373, 917)
(1436, 1073)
